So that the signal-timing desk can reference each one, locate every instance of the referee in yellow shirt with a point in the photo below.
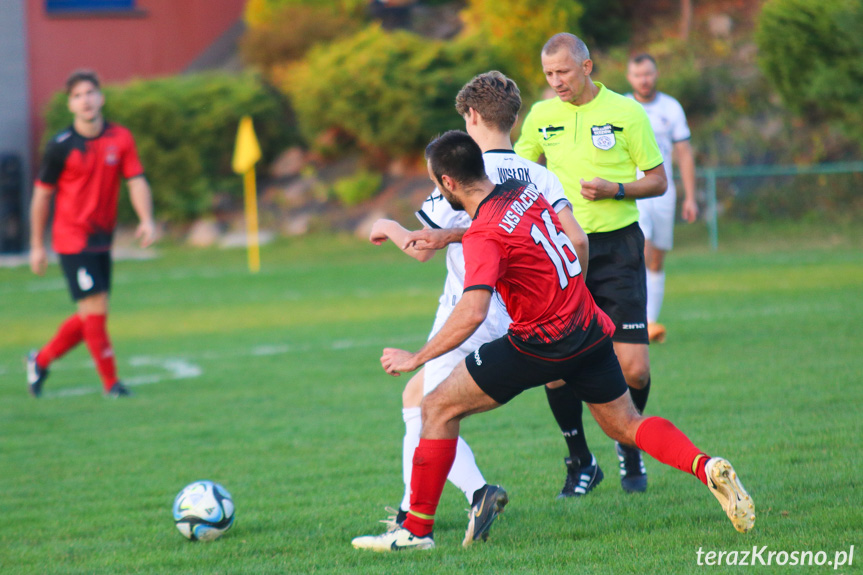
(594, 140)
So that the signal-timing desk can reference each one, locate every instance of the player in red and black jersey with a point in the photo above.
(516, 245)
(501, 253)
(81, 170)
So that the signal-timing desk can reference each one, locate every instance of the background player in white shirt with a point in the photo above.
(656, 215)
(489, 103)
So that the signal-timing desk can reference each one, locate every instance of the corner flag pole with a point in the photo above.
(247, 153)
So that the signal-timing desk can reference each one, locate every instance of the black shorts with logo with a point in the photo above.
(502, 371)
(87, 273)
(617, 280)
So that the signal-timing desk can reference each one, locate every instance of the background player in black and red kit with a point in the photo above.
(516, 245)
(82, 168)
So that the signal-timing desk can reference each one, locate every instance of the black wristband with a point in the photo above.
(620, 193)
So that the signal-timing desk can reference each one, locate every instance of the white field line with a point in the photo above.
(176, 368)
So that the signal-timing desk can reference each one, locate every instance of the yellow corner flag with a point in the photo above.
(247, 153)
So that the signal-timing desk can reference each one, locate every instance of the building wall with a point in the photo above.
(161, 38)
(14, 127)
(14, 94)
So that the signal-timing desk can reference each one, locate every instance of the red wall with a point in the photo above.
(162, 41)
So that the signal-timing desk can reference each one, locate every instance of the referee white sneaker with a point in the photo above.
(724, 484)
(398, 539)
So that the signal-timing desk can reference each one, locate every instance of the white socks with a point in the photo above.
(655, 293)
(464, 473)
(413, 426)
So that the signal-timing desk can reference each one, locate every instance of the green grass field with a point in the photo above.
(271, 385)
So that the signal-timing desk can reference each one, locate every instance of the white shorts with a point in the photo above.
(656, 218)
(495, 325)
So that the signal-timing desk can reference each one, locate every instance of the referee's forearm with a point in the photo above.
(650, 186)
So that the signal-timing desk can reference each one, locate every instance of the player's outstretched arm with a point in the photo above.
(429, 239)
(142, 202)
(576, 235)
(40, 206)
(466, 317)
(384, 230)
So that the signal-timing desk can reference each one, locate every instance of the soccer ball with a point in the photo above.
(203, 511)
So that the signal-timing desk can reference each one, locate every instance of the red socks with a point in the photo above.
(433, 460)
(96, 336)
(664, 442)
(69, 335)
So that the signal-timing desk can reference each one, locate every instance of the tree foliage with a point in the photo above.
(812, 53)
(386, 93)
(261, 12)
(518, 29)
(282, 34)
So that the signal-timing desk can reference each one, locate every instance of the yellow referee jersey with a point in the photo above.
(609, 137)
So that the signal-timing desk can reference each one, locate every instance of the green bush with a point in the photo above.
(185, 128)
(812, 53)
(290, 31)
(260, 12)
(387, 94)
(358, 188)
(605, 23)
(517, 30)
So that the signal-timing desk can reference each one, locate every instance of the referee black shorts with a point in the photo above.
(617, 280)
(87, 273)
(502, 371)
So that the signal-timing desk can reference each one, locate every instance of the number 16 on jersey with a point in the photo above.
(556, 244)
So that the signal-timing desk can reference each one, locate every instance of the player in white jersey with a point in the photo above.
(489, 104)
(656, 215)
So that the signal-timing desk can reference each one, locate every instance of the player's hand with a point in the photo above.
(689, 211)
(427, 239)
(398, 361)
(378, 235)
(38, 260)
(146, 233)
(598, 189)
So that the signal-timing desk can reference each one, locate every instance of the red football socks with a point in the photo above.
(433, 460)
(96, 336)
(70, 334)
(664, 442)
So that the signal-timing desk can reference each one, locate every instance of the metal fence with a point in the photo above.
(711, 175)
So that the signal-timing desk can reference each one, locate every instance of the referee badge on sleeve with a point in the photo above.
(603, 136)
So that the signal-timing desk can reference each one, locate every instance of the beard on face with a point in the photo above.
(453, 201)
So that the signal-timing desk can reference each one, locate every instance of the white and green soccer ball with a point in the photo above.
(203, 511)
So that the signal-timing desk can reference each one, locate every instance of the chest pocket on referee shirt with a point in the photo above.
(609, 145)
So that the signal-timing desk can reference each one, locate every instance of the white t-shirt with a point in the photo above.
(500, 165)
(669, 125)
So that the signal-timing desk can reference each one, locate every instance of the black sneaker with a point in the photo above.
(633, 475)
(35, 375)
(118, 390)
(580, 480)
(488, 503)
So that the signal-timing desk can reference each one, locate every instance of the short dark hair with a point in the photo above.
(456, 155)
(79, 76)
(494, 96)
(643, 57)
(572, 43)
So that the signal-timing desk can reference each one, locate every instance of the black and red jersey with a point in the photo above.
(515, 244)
(86, 173)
